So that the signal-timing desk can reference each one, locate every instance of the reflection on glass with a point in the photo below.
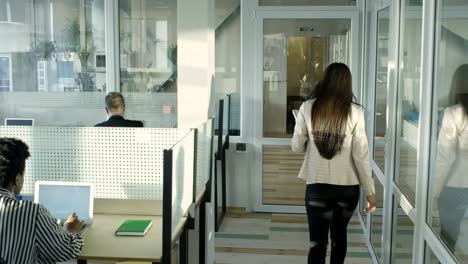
(148, 45)
(377, 221)
(307, 2)
(430, 257)
(449, 190)
(296, 52)
(5, 73)
(402, 252)
(408, 98)
(227, 64)
(60, 45)
(381, 68)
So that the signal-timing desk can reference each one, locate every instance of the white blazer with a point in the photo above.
(452, 152)
(350, 166)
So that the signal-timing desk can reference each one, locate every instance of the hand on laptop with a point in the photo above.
(73, 225)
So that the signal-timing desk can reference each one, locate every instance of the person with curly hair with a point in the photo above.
(28, 232)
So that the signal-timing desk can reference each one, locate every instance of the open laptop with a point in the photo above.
(64, 198)
(19, 122)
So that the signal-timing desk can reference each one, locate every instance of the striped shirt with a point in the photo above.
(29, 234)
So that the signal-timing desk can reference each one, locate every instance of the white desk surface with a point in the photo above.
(100, 242)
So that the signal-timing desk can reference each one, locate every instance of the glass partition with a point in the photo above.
(448, 193)
(295, 55)
(59, 44)
(381, 82)
(403, 234)
(235, 126)
(307, 2)
(408, 98)
(87, 109)
(204, 156)
(227, 64)
(430, 257)
(377, 221)
(182, 178)
(148, 45)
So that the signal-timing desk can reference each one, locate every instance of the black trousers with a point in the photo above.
(329, 210)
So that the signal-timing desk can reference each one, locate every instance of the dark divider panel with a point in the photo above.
(167, 208)
(218, 177)
(206, 199)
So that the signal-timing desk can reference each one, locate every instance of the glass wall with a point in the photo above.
(306, 2)
(403, 234)
(377, 221)
(448, 194)
(430, 257)
(447, 189)
(408, 97)
(53, 61)
(148, 45)
(59, 43)
(227, 64)
(296, 53)
(381, 83)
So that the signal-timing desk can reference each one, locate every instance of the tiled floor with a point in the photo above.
(251, 238)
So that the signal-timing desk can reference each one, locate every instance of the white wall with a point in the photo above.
(239, 172)
(195, 59)
(240, 164)
(18, 36)
(195, 66)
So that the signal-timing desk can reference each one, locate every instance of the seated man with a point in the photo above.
(28, 232)
(115, 108)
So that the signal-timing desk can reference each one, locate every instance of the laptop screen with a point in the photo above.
(63, 200)
(19, 122)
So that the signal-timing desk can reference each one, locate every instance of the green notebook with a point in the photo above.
(133, 228)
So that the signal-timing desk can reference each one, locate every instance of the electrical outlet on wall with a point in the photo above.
(241, 147)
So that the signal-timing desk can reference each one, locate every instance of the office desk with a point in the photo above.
(100, 242)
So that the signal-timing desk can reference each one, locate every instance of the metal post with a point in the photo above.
(112, 45)
(202, 233)
(183, 246)
(427, 66)
(167, 208)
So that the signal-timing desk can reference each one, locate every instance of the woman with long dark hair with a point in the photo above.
(330, 129)
(452, 156)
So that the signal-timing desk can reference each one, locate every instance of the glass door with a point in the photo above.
(292, 55)
(380, 47)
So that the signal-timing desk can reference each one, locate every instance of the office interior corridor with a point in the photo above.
(257, 238)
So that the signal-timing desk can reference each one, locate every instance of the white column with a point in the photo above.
(195, 70)
(195, 60)
(112, 45)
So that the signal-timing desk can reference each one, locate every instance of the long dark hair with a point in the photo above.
(459, 89)
(331, 109)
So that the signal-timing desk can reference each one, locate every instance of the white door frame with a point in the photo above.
(258, 139)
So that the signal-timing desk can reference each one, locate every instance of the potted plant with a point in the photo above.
(44, 50)
(71, 42)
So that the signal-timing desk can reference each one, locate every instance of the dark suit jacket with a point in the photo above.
(119, 121)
